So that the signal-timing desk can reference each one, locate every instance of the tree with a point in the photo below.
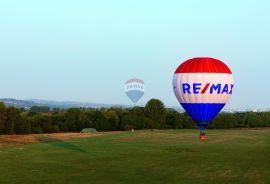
(187, 121)
(13, 117)
(113, 119)
(24, 125)
(100, 122)
(155, 110)
(173, 119)
(72, 119)
(153, 115)
(35, 122)
(2, 105)
(3, 118)
(58, 120)
(128, 122)
(39, 109)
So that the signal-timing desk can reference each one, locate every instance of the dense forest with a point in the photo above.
(153, 116)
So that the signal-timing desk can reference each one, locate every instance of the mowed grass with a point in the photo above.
(169, 156)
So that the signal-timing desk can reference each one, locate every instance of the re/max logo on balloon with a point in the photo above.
(131, 86)
(198, 88)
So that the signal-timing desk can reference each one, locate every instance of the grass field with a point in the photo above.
(167, 157)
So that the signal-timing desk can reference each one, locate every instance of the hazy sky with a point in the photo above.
(86, 50)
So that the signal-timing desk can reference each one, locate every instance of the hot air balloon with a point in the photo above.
(203, 86)
(134, 89)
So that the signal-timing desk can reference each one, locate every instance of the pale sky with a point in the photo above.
(86, 50)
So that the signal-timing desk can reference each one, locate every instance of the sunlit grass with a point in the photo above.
(169, 156)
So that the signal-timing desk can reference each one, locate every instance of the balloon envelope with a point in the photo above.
(203, 86)
(134, 89)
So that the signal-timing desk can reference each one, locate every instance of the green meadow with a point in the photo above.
(143, 157)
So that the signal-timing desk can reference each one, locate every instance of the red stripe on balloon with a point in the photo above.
(203, 65)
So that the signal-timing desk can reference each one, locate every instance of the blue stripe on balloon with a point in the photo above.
(203, 113)
(135, 95)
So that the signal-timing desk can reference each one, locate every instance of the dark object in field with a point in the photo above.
(89, 130)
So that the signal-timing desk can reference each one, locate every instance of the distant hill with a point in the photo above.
(27, 104)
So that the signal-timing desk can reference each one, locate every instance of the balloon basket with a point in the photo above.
(203, 136)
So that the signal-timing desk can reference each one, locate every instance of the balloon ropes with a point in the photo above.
(134, 89)
(203, 86)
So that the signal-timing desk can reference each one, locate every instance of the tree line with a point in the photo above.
(153, 116)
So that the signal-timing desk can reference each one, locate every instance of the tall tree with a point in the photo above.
(155, 110)
(13, 116)
(3, 118)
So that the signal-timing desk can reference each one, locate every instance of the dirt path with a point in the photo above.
(18, 140)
